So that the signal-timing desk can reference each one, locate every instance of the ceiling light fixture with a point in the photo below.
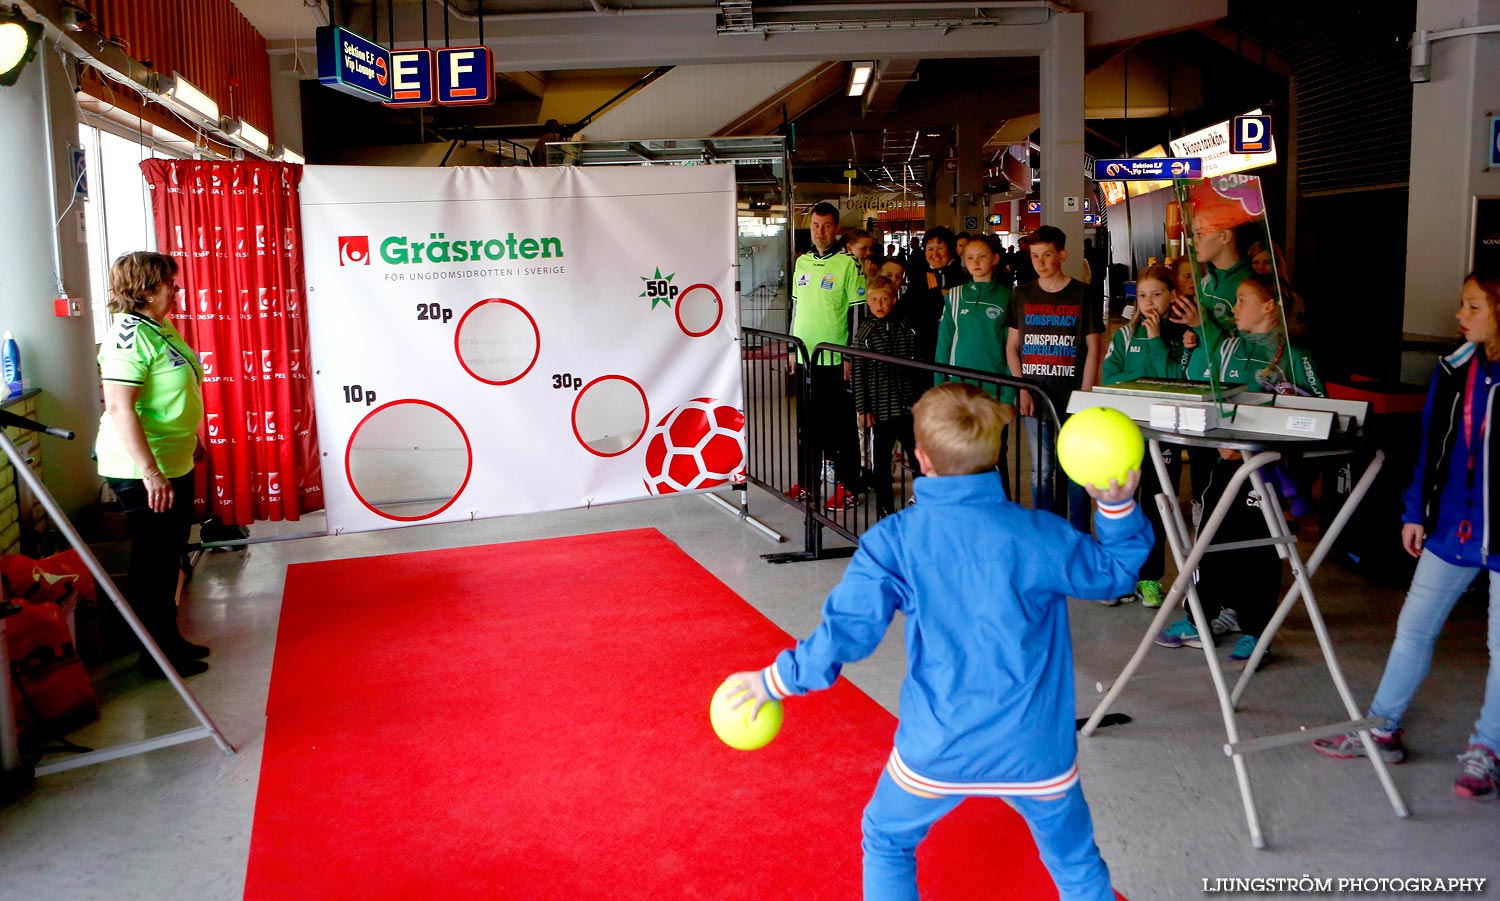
(247, 136)
(19, 38)
(182, 92)
(859, 78)
(287, 155)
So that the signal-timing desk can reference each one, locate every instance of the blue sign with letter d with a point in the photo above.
(1250, 134)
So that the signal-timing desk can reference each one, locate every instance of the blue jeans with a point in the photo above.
(896, 821)
(1043, 464)
(1435, 588)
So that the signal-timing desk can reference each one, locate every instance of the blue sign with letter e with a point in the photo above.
(411, 78)
(465, 75)
(355, 65)
(1250, 134)
(1495, 142)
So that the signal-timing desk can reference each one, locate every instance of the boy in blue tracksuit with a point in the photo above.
(987, 706)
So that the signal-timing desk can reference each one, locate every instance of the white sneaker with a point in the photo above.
(1227, 621)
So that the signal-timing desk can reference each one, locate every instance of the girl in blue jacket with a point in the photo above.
(1450, 512)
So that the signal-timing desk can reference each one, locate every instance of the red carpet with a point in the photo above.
(530, 720)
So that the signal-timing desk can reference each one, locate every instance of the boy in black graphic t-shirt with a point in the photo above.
(1056, 337)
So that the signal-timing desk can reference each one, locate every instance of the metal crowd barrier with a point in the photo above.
(786, 459)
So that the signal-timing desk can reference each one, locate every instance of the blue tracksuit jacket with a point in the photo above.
(987, 706)
(1453, 503)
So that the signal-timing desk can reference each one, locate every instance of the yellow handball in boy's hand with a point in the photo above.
(730, 713)
(1099, 444)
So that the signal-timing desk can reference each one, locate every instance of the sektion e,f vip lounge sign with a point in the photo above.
(449, 76)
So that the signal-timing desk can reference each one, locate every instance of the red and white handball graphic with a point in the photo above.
(700, 444)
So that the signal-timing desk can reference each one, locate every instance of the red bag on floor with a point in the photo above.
(70, 563)
(48, 683)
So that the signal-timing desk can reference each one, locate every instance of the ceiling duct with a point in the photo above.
(738, 15)
(891, 77)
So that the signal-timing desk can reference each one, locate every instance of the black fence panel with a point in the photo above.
(796, 412)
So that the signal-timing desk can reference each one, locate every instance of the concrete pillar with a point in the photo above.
(1449, 140)
(1062, 134)
(969, 202)
(57, 353)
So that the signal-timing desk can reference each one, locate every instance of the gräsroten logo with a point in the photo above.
(354, 250)
(401, 250)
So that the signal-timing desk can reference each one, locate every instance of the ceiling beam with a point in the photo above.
(690, 38)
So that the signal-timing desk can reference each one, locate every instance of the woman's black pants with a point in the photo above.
(157, 541)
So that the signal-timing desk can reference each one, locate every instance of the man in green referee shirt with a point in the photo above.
(825, 284)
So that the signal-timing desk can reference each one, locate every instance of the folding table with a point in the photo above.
(1259, 451)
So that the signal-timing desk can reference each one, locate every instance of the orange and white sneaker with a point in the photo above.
(796, 493)
(842, 499)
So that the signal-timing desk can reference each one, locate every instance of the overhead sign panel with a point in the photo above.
(411, 78)
(353, 64)
(1157, 169)
(465, 75)
(1214, 147)
(1250, 134)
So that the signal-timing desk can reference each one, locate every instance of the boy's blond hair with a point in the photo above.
(881, 283)
(958, 428)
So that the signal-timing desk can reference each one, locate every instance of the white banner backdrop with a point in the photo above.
(495, 341)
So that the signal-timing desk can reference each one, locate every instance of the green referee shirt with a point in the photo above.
(140, 351)
(823, 289)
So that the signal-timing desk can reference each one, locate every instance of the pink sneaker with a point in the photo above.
(1480, 776)
(1390, 747)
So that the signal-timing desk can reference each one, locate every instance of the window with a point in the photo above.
(118, 211)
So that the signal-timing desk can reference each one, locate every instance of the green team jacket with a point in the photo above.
(1216, 294)
(972, 332)
(1251, 359)
(823, 290)
(1132, 355)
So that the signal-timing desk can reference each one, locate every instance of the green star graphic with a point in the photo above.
(653, 279)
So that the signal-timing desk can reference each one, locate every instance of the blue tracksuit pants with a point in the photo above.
(896, 821)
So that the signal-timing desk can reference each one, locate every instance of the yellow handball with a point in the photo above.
(734, 726)
(1099, 444)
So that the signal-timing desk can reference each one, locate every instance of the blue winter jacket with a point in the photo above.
(1454, 506)
(987, 705)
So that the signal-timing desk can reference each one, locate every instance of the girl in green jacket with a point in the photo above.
(1259, 355)
(1150, 346)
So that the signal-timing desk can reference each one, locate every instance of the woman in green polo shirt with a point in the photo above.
(148, 440)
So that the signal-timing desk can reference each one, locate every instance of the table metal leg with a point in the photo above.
(1187, 563)
(1271, 507)
(1325, 544)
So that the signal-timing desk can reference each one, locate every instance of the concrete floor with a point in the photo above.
(175, 823)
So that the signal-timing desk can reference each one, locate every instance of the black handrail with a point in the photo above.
(780, 397)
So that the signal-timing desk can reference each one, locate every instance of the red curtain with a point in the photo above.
(235, 230)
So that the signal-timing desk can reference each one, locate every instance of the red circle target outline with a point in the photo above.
(349, 450)
(459, 330)
(677, 310)
(645, 426)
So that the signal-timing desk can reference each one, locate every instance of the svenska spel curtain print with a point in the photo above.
(235, 230)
